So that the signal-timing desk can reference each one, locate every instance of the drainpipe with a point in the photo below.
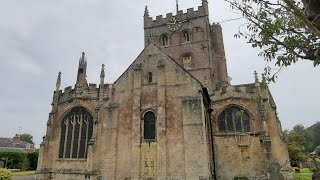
(210, 110)
(212, 146)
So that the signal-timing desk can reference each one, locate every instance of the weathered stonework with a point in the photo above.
(186, 97)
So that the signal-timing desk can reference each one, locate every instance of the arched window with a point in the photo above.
(187, 61)
(186, 36)
(149, 126)
(76, 132)
(164, 40)
(234, 120)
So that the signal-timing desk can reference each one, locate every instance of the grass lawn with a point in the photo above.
(23, 173)
(305, 174)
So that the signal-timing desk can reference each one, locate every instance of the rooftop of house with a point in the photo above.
(15, 144)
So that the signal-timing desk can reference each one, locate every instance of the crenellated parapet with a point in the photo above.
(245, 91)
(90, 93)
(160, 20)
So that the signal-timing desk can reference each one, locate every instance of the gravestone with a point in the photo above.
(1, 164)
(316, 176)
(274, 170)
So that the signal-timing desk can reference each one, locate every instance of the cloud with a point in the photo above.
(24, 64)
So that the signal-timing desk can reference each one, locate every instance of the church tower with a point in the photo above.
(191, 41)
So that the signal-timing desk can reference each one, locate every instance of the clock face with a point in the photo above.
(174, 24)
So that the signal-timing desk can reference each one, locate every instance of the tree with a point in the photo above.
(285, 30)
(6, 161)
(315, 129)
(26, 138)
(300, 136)
(296, 154)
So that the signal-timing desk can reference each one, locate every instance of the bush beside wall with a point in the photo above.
(19, 160)
(5, 174)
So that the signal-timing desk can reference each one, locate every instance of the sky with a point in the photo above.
(39, 38)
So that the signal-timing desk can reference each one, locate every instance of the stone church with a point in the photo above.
(172, 115)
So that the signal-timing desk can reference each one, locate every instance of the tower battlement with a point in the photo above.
(245, 91)
(161, 20)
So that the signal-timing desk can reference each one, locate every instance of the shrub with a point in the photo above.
(19, 160)
(15, 160)
(24, 165)
(33, 160)
(5, 174)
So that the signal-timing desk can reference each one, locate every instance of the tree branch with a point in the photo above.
(298, 13)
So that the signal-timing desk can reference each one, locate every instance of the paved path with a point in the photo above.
(23, 178)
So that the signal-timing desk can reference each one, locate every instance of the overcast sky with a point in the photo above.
(39, 38)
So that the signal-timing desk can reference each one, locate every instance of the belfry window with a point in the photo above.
(234, 120)
(76, 132)
(164, 40)
(187, 61)
(186, 36)
(149, 126)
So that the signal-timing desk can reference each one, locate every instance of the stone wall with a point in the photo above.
(180, 150)
(245, 154)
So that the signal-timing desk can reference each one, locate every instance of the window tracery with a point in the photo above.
(76, 131)
(234, 120)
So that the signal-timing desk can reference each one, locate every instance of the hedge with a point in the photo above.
(33, 160)
(19, 160)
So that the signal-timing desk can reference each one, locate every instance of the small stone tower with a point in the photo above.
(193, 42)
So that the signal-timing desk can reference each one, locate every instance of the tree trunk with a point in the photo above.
(312, 11)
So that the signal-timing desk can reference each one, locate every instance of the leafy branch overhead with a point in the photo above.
(285, 30)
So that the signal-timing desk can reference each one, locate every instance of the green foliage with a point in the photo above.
(20, 160)
(305, 174)
(33, 160)
(15, 160)
(317, 150)
(282, 36)
(302, 141)
(315, 132)
(5, 174)
(26, 138)
(296, 154)
(301, 136)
